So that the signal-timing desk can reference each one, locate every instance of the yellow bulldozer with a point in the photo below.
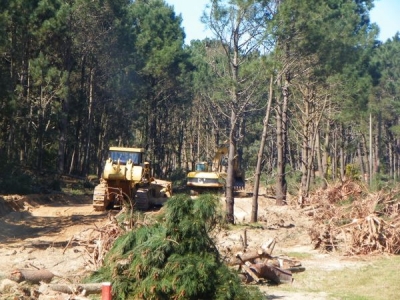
(212, 177)
(127, 177)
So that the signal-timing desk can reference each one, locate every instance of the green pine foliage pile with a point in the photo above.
(175, 258)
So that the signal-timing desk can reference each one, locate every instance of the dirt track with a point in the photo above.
(35, 234)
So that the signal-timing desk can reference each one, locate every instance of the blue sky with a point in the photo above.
(386, 14)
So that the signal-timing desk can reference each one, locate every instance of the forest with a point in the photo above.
(301, 90)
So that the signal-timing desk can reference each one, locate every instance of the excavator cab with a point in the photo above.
(201, 167)
(205, 179)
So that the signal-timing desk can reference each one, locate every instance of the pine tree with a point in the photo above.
(174, 258)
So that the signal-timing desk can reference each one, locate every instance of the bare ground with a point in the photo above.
(36, 233)
(36, 230)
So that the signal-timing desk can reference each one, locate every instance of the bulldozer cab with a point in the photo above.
(123, 155)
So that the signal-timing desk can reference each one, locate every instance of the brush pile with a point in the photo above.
(350, 219)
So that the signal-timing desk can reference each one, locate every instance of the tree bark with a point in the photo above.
(305, 152)
(361, 162)
(325, 151)
(230, 200)
(341, 154)
(254, 208)
(281, 127)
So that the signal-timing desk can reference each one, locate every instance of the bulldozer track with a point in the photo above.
(142, 200)
(99, 197)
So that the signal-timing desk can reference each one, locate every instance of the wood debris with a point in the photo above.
(350, 219)
(259, 265)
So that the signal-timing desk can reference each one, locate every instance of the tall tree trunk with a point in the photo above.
(325, 150)
(64, 113)
(335, 155)
(233, 132)
(254, 207)
(229, 189)
(319, 160)
(305, 152)
(41, 129)
(390, 154)
(376, 167)
(63, 128)
(281, 127)
(341, 153)
(364, 146)
(361, 162)
(89, 125)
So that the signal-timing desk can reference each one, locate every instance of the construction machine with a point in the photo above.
(128, 177)
(212, 177)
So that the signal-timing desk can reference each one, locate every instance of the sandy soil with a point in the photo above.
(36, 234)
(36, 230)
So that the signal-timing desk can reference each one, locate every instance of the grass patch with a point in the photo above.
(377, 279)
(74, 192)
(299, 255)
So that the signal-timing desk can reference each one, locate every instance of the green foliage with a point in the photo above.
(15, 181)
(174, 259)
(19, 179)
(86, 73)
(293, 179)
(379, 182)
(178, 177)
(352, 171)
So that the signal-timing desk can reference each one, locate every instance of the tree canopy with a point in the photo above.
(79, 76)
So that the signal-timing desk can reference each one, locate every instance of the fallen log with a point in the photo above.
(47, 244)
(296, 269)
(33, 276)
(252, 274)
(271, 272)
(85, 289)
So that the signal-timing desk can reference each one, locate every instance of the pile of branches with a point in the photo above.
(101, 241)
(350, 219)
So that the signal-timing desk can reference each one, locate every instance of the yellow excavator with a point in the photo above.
(212, 177)
(127, 177)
